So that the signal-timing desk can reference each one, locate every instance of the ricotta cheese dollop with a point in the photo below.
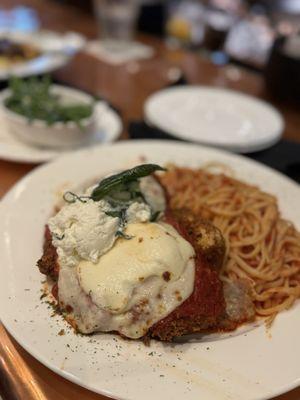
(82, 230)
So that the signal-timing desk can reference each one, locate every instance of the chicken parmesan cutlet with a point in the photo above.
(122, 260)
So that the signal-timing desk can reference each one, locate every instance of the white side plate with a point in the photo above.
(218, 117)
(56, 51)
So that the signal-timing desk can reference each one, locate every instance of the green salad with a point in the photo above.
(34, 99)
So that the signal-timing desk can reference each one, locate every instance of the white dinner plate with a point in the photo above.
(248, 365)
(56, 51)
(108, 128)
(214, 116)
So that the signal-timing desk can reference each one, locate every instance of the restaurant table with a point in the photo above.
(125, 87)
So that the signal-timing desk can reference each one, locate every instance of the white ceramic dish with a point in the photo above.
(56, 51)
(252, 365)
(214, 116)
(108, 127)
(56, 136)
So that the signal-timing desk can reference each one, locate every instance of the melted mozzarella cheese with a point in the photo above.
(135, 284)
(154, 250)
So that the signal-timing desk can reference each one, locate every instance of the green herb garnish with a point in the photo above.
(58, 237)
(121, 214)
(123, 235)
(34, 99)
(154, 216)
(120, 191)
(110, 184)
(114, 214)
(70, 197)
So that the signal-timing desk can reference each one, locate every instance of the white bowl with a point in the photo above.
(59, 134)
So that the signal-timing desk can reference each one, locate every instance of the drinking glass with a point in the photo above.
(116, 20)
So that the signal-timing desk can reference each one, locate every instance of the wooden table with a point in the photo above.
(21, 376)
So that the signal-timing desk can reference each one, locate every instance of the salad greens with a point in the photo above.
(33, 99)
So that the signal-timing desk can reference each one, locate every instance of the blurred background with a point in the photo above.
(239, 30)
(90, 44)
(125, 51)
(251, 33)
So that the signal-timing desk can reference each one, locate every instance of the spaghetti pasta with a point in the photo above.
(262, 247)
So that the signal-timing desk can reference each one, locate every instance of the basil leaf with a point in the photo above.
(123, 235)
(154, 216)
(114, 214)
(130, 175)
